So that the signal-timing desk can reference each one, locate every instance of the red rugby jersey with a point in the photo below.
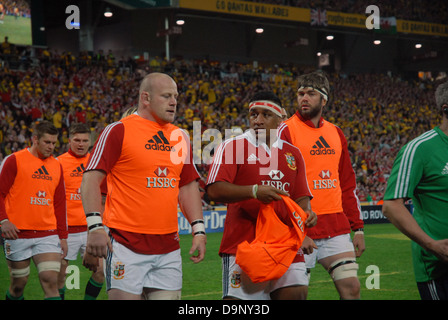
(240, 161)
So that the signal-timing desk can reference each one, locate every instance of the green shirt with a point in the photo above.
(420, 172)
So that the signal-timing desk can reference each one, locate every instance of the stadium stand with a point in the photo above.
(378, 113)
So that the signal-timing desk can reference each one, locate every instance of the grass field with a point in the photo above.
(18, 30)
(386, 248)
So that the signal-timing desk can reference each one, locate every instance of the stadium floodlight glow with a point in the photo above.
(377, 42)
(108, 13)
(180, 22)
(259, 30)
(319, 54)
(330, 37)
(418, 45)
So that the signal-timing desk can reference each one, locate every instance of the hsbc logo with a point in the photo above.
(325, 182)
(161, 171)
(276, 175)
(161, 181)
(41, 194)
(76, 196)
(40, 199)
(325, 174)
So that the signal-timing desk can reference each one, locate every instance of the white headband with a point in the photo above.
(321, 91)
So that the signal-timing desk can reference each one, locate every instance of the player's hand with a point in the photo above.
(98, 242)
(440, 249)
(90, 262)
(198, 245)
(359, 244)
(311, 221)
(267, 194)
(9, 230)
(308, 245)
(64, 248)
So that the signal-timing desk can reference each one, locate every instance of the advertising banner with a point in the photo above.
(214, 219)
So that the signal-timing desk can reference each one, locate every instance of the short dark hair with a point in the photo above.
(43, 127)
(78, 128)
(316, 79)
(266, 95)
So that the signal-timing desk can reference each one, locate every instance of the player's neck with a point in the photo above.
(444, 125)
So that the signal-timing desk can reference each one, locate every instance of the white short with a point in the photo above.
(236, 283)
(131, 272)
(23, 249)
(76, 244)
(329, 247)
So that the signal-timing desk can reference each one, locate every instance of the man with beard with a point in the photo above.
(332, 181)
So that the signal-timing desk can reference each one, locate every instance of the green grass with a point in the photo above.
(18, 30)
(386, 248)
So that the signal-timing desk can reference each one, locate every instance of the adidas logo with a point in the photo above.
(445, 170)
(78, 171)
(321, 147)
(42, 173)
(252, 157)
(159, 142)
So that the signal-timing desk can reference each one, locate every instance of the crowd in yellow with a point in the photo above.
(378, 113)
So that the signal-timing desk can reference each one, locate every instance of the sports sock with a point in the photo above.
(93, 289)
(62, 293)
(10, 297)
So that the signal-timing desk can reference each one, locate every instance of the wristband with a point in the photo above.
(94, 221)
(4, 220)
(359, 231)
(254, 190)
(198, 227)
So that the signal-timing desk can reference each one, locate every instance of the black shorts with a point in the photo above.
(436, 289)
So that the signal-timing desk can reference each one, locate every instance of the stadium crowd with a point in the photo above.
(378, 113)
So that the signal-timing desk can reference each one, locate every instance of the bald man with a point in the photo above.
(150, 170)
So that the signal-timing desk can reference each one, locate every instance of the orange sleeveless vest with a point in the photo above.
(143, 185)
(29, 203)
(275, 245)
(321, 149)
(73, 168)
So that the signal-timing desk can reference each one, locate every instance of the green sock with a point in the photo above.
(62, 293)
(10, 297)
(53, 298)
(93, 289)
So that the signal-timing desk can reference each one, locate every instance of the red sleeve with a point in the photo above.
(350, 201)
(8, 172)
(189, 171)
(60, 208)
(222, 170)
(283, 132)
(107, 148)
(301, 188)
